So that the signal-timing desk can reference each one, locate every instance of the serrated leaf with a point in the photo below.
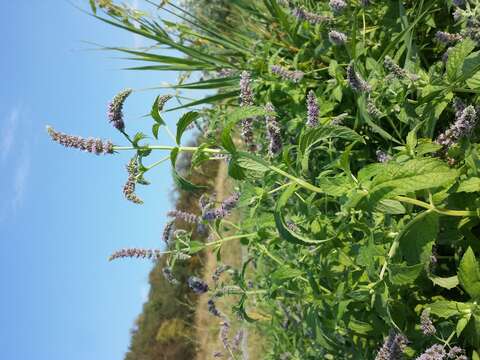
(404, 274)
(474, 81)
(285, 272)
(469, 185)
(446, 309)
(183, 123)
(445, 282)
(312, 137)
(359, 327)
(250, 162)
(456, 58)
(334, 186)
(461, 324)
(392, 207)
(155, 128)
(417, 238)
(283, 230)
(469, 274)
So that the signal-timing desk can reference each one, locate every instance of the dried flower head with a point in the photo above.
(212, 308)
(135, 253)
(273, 131)
(94, 146)
(162, 100)
(223, 335)
(219, 271)
(337, 6)
(355, 81)
(435, 352)
(426, 323)
(168, 274)
(313, 110)
(115, 109)
(393, 347)
(197, 285)
(337, 37)
(286, 74)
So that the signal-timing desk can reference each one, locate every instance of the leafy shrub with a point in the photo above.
(357, 172)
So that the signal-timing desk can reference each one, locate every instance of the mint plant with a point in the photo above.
(350, 129)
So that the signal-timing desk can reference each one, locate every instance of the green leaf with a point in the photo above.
(250, 162)
(359, 327)
(181, 182)
(334, 186)
(312, 137)
(155, 112)
(456, 58)
(445, 282)
(469, 274)
(283, 230)
(417, 238)
(138, 137)
(285, 272)
(446, 309)
(155, 128)
(414, 175)
(195, 247)
(183, 123)
(403, 274)
(462, 323)
(392, 207)
(469, 185)
(234, 170)
(471, 65)
(93, 6)
(208, 100)
(474, 81)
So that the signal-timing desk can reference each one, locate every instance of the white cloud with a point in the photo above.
(7, 134)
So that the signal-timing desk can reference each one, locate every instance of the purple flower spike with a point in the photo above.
(392, 348)
(197, 285)
(435, 352)
(355, 81)
(168, 274)
(337, 6)
(426, 323)
(225, 208)
(273, 132)
(337, 37)
(312, 109)
(294, 76)
(115, 107)
(303, 15)
(465, 122)
(246, 99)
(94, 146)
(135, 253)
(447, 38)
(185, 216)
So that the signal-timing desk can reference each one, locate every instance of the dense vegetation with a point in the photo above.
(357, 170)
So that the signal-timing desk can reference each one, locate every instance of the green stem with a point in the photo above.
(229, 238)
(158, 162)
(459, 213)
(165, 147)
(300, 182)
(391, 254)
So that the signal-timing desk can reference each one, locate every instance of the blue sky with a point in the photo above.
(62, 212)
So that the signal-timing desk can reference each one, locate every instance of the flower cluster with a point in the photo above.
(382, 156)
(273, 131)
(94, 146)
(168, 231)
(337, 6)
(168, 274)
(225, 208)
(246, 99)
(393, 347)
(184, 216)
(313, 110)
(435, 352)
(393, 68)
(302, 14)
(115, 109)
(286, 74)
(129, 187)
(337, 37)
(457, 353)
(447, 38)
(135, 253)
(426, 323)
(355, 81)
(197, 285)
(464, 124)
(162, 100)
(219, 271)
(372, 110)
(212, 308)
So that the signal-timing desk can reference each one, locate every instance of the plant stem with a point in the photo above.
(460, 213)
(158, 162)
(391, 253)
(165, 147)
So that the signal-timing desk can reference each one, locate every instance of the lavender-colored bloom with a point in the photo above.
(447, 38)
(225, 73)
(337, 6)
(286, 74)
(135, 253)
(212, 308)
(185, 216)
(94, 146)
(463, 126)
(225, 208)
(392, 348)
(355, 81)
(382, 156)
(168, 274)
(129, 187)
(435, 352)
(246, 99)
(312, 109)
(168, 231)
(302, 14)
(197, 285)
(337, 37)
(426, 323)
(115, 107)
(237, 339)
(372, 110)
(393, 68)
(473, 28)
(456, 353)
(162, 100)
(292, 226)
(273, 131)
(219, 271)
(224, 330)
